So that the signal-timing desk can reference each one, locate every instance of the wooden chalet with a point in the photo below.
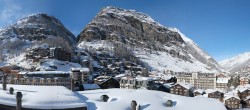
(198, 92)
(106, 82)
(232, 102)
(215, 94)
(244, 81)
(181, 89)
(243, 93)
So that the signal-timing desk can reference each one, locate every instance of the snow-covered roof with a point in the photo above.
(168, 85)
(213, 90)
(242, 88)
(140, 78)
(247, 98)
(45, 72)
(244, 78)
(199, 90)
(42, 97)
(120, 99)
(187, 86)
(90, 86)
(226, 97)
(80, 69)
(120, 75)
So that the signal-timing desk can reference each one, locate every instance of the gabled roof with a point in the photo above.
(199, 90)
(187, 86)
(241, 78)
(221, 75)
(213, 90)
(168, 85)
(231, 96)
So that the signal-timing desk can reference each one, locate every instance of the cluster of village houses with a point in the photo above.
(114, 73)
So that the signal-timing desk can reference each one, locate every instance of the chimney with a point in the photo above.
(4, 82)
(133, 105)
(11, 90)
(19, 100)
(72, 83)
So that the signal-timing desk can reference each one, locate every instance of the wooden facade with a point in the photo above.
(232, 103)
(244, 81)
(247, 102)
(216, 95)
(243, 95)
(180, 90)
(109, 83)
(198, 92)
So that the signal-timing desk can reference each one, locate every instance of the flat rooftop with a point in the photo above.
(42, 97)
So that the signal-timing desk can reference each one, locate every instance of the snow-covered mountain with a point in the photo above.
(37, 27)
(239, 63)
(32, 30)
(158, 47)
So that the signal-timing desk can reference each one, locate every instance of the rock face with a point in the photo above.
(239, 63)
(139, 31)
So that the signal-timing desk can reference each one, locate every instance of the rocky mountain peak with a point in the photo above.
(37, 27)
(139, 31)
(119, 12)
(33, 30)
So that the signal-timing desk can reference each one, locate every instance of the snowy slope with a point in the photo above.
(45, 65)
(237, 63)
(120, 99)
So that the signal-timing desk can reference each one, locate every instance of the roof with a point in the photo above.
(243, 78)
(222, 75)
(168, 85)
(42, 97)
(187, 86)
(120, 99)
(80, 69)
(243, 88)
(90, 86)
(199, 90)
(231, 96)
(213, 90)
(140, 78)
(45, 72)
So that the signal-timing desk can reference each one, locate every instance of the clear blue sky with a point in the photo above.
(220, 27)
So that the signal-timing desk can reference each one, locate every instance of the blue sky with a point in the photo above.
(220, 27)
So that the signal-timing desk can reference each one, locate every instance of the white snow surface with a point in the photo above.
(46, 65)
(120, 99)
(157, 61)
(42, 97)
(163, 61)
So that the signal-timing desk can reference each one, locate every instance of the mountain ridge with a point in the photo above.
(239, 63)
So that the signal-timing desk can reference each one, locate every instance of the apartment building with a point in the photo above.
(46, 78)
(199, 80)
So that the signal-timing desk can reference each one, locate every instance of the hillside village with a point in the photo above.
(101, 69)
(104, 62)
